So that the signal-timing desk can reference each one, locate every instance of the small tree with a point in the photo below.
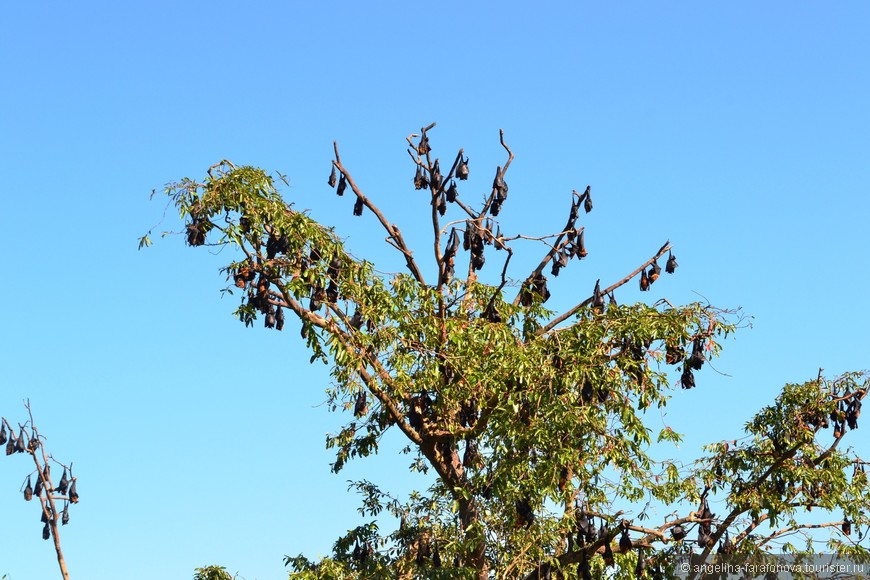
(212, 573)
(532, 420)
(38, 482)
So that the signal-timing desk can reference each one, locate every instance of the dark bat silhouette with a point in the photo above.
(435, 174)
(423, 147)
(63, 484)
(654, 272)
(452, 192)
(597, 297)
(361, 406)
(462, 169)
(420, 180)
(687, 380)
(641, 564)
(644, 281)
(696, 361)
(279, 319)
(625, 541)
(331, 181)
(671, 265)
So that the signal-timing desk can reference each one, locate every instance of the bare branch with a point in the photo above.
(392, 231)
(608, 290)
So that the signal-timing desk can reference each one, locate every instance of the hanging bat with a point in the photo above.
(641, 564)
(468, 234)
(3, 437)
(358, 207)
(559, 262)
(46, 532)
(495, 208)
(498, 181)
(360, 408)
(625, 541)
(540, 284)
(331, 181)
(525, 515)
(687, 380)
(64, 518)
(332, 292)
(644, 281)
(63, 484)
(587, 391)
(705, 536)
(696, 361)
(704, 512)
(28, 491)
(21, 443)
(452, 245)
(462, 169)
(491, 313)
(279, 319)
(608, 553)
(73, 494)
(33, 444)
(195, 233)
(654, 272)
(597, 298)
(270, 317)
(587, 201)
(423, 147)
(678, 532)
(342, 185)
(452, 192)
(435, 174)
(671, 265)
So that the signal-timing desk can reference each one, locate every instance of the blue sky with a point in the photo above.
(737, 130)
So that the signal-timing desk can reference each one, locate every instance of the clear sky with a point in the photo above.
(738, 130)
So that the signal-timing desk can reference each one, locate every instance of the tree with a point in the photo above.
(39, 483)
(531, 420)
(212, 573)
